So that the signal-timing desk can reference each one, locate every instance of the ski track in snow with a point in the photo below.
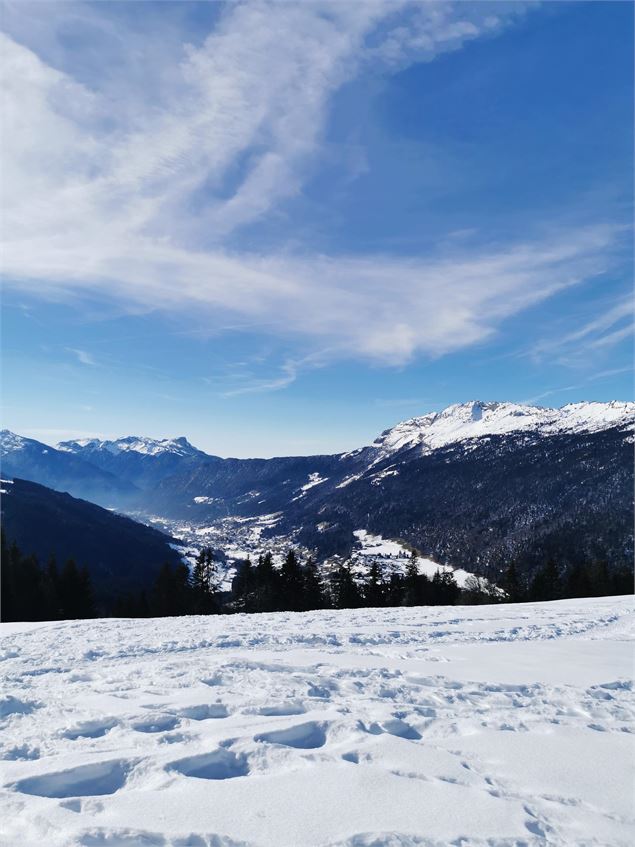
(491, 725)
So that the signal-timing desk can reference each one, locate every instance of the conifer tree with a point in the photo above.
(313, 595)
(266, 584)
(444, 590)
(291, 584)
(205, 582)
(85, 594)
(344, 591)
(7, 595)
(374, 588)
(394, 590)
(546, 584)
(51, 588)
(71, 591)
(244, 586)
(578, 581)
(511, 584)
(412, 593)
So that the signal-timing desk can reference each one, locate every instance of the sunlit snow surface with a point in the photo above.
(465, 421)
(491, 725)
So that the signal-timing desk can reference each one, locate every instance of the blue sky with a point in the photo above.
(280, 228)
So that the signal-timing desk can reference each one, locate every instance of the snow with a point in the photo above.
(376, 478)
(491, 725)
(348, 479)
(477, 419)
(394, 557)
(238, 538)
(313, 480)
(10, 442)
(134, 444)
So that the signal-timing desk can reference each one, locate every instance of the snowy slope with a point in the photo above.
(497, 726)
(477, 419)
(9, 441)
(394, 557)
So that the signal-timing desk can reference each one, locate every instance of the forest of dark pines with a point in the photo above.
(33, 591)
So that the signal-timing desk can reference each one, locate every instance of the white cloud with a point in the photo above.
(614, 325)
(600, 376)
(118, 198)
(83, 357)
(257, 385)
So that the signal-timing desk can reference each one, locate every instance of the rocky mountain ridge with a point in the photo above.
(474, 485)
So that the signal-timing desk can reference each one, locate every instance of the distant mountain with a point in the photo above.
(141, 462)
(475, 485)
(120, 553)
(63, 471)
(475, 419)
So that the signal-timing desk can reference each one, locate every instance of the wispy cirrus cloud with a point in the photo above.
(612, 326)
(136, 202)
(83, 357)
(596, 377)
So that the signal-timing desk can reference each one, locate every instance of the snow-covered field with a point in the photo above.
(490, 725)
(393, 557)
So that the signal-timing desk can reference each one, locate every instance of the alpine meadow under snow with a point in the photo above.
(502, 725)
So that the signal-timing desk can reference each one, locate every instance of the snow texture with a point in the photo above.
(10, 442)
(477, 419)
(492, 725)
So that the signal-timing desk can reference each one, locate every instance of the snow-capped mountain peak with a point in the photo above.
(9, 441)
(475, 419)
(133, 444)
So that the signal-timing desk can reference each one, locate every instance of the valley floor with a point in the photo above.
(492, 725)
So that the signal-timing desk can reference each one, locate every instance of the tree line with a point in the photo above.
(297, 586)
(32, 592)
(549, 582)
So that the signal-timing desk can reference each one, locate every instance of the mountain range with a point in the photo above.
(475, 485)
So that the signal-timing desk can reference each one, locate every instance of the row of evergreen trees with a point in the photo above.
(299, 587)
(32, 592)
(579, 580)
(177, 591)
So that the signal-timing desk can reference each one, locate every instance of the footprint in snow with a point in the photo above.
(158, 723)
(89, 729)
(281, 709)
(10, 705)
(86, 780)
(304, 736)
(219, 764)
(204, 711)
(394, 726)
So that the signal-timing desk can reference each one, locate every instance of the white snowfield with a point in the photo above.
(492, 725)
(476, 419)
